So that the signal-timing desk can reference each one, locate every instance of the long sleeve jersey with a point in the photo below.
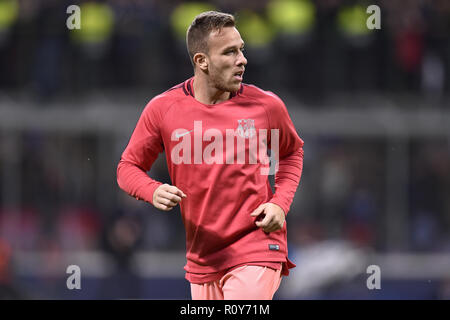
(217, 155)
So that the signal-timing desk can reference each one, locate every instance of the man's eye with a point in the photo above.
(233, 51)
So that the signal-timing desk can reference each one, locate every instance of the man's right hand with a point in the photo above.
(166, 197)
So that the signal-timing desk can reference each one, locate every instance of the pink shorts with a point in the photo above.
(243, 283)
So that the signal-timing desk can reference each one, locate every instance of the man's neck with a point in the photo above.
(206, 93)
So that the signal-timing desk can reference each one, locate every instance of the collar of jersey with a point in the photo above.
(189, 90)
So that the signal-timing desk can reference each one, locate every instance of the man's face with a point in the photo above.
(226, 61)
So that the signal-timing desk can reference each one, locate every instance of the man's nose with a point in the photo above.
(241, 59)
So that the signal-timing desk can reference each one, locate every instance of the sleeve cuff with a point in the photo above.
(150, 190)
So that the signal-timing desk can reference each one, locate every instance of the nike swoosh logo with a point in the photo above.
(179, 135)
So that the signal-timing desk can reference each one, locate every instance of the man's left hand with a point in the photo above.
(274, 217)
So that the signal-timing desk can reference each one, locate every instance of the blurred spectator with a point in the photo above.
(122, 236)
(20, 228)
(50, 48)
(361, 218)
(357, 43)
(78, 229)
(7, 288)
(92, 45)
(9, 11)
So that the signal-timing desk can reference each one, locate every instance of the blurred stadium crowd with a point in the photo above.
(308, 52)
(310, 48)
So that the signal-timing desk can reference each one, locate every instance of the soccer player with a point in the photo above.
(216, 131)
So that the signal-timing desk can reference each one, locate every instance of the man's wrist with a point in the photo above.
(282, 210)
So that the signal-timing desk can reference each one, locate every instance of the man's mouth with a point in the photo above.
(238, 75)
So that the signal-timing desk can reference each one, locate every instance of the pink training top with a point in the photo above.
(211, 156)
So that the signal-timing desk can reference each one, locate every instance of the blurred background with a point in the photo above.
(371, 105)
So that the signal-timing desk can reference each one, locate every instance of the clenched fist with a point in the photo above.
(273, 217)
(166, 197)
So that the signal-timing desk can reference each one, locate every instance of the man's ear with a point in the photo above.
(201, 61)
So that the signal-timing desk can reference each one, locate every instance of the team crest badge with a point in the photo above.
(246, 128)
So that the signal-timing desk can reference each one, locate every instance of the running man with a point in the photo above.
(216, 133)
